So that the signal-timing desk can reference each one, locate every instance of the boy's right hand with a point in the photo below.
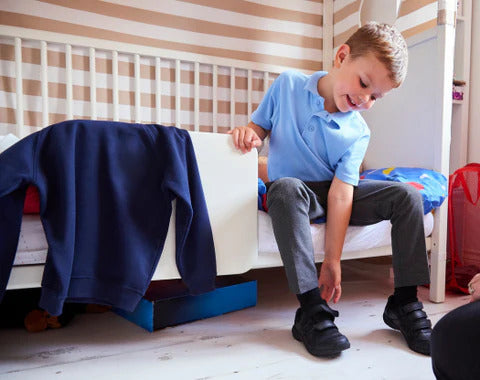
(245, 138)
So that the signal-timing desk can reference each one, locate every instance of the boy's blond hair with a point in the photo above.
(386, 43)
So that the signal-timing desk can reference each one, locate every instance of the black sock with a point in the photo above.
(310, 299)
(405, 294)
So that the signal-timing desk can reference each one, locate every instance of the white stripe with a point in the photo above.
(249, 93)
(424, 14)
(168, 34)
(346, 23)
(210, 14)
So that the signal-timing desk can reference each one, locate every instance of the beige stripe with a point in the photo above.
(186, 23)
(346, 11)
(409, 6)
(343, 37)
(445, 17)
(255, 9)
(40, 23)
(31, 118)
(419, 28)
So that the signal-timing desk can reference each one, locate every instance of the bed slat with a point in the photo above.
(93, 85)
(158, 90)
(68, 73)
(137, 88)
(19, 87)
(115, 84)
(44, 69)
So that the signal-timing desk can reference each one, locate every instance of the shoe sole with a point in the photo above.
(320, 353)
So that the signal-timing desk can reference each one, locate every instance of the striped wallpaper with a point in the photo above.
(414, 16)
(285, 33)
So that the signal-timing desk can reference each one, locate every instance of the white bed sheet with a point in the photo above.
(32, 245)
(357, 238)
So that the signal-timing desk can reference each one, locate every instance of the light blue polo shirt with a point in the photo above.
(306, 141)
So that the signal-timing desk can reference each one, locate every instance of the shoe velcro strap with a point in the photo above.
(412, 306)
(322, 308)
(324, 325)
(422, 324)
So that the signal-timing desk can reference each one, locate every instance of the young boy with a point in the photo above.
(317, 143)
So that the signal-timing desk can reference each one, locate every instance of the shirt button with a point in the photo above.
(310, 129)
(318, 102)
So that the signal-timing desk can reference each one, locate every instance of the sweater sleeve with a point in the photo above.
(195, 251)
(16, 170)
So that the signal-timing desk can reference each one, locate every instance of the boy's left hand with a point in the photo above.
(329, 281)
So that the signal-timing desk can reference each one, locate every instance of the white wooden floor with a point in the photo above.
(255, 343)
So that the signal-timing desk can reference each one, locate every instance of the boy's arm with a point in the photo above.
(340, 200)
(247, 137)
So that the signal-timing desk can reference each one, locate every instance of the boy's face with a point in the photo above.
(359, 82)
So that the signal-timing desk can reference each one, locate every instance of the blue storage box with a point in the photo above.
(167, 303)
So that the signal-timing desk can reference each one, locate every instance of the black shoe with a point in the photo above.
(412, 322)
(318, 333)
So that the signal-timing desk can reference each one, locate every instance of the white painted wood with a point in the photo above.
(441, 141)
(93, 84)
(178, 83)
(158, 90)
(19, 88)
(196, 96)
(266, 78)
(44, 76)
(137, 89)
(69, 83)
(115, 84)
(249, 94)
(230, 185)
(461, 70)
(214, 98)
(232, 97)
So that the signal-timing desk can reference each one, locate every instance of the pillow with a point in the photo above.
(432, 185)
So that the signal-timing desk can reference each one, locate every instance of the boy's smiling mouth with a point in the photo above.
(351, 102)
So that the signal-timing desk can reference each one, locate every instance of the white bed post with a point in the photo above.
(68, 71)
(19, 87)
(44, 65)
(93, 84)
(444, 66)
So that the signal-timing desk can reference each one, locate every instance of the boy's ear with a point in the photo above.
(342, 53)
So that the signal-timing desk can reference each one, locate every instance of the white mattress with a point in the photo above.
(32, 245)
(357, 238)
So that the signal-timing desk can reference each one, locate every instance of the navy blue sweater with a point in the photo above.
(105, 202)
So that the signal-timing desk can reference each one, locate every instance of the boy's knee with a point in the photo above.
(409, 194)
(285, 190)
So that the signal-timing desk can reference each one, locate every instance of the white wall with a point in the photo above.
(474, 118)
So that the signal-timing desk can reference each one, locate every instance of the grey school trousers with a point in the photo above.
(292, 204)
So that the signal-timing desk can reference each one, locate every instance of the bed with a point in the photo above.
(243, 235)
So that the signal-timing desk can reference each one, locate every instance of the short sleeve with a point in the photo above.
(348, 167)
(262, 116)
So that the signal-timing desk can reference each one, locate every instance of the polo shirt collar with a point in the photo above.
(338, 117)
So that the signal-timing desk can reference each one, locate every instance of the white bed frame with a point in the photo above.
(418, 135)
